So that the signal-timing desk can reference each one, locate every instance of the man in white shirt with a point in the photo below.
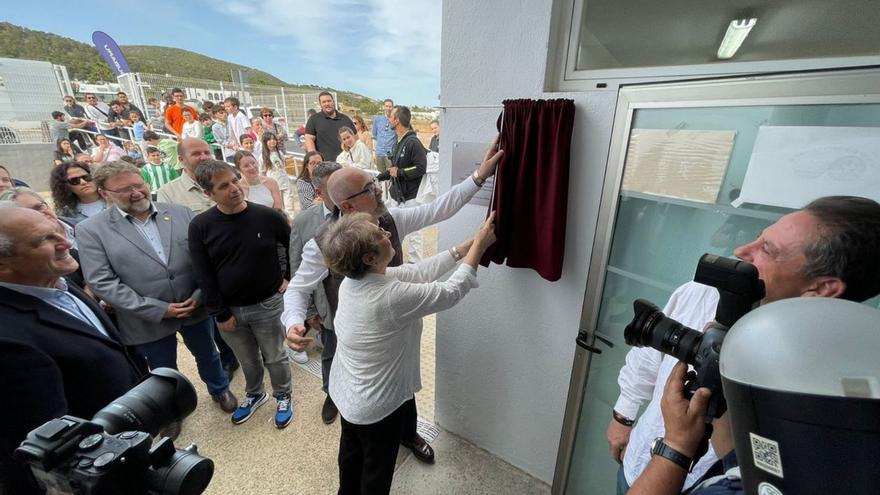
(816, 251)
(354, 190)
(99, 112)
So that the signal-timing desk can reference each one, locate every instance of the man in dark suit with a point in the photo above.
(59, 353)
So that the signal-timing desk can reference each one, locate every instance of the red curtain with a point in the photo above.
(531, 186)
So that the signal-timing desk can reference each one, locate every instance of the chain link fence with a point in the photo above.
(290, 103)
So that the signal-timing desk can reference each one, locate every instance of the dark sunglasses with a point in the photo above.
(75, 181)
(371, 188)
(268, 115)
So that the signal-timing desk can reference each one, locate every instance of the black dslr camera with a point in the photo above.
(740, 289)
(112, 454)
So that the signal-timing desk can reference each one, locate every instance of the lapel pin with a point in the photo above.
(167, 219)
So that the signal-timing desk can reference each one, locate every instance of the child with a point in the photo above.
(208, 132)
(156, 173)
(221, 134)
(137, 131)
(167, 147)
(133, 151)
(191, 127)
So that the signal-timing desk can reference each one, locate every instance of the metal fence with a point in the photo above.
(289, 103)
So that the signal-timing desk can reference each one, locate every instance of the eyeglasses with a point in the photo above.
(128, 190)
(268, 115)
(75, 181)
(371, 188)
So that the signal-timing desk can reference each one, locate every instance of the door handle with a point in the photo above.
(582, 337)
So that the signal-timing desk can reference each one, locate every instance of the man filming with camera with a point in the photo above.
(59, 353)
(827, 249)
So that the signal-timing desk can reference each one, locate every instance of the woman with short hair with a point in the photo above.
(74, 193)
(106, 151)
(378, 326)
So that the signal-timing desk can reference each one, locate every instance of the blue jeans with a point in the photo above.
(199, 339)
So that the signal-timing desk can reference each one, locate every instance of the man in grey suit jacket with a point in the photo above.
(135, 257)
(304, 227)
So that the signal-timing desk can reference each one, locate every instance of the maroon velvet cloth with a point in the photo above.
(531, 186)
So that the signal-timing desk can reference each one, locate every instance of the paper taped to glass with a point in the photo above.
(677, 163)
(793, 165)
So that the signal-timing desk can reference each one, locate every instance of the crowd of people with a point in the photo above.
(189, 233)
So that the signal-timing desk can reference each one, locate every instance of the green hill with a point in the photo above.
(83, 62)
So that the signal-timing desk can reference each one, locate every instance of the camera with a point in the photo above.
(740, 290)
(112, 452)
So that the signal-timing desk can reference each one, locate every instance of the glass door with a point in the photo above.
(654, 226)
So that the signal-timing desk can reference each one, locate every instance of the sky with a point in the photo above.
(379, 48)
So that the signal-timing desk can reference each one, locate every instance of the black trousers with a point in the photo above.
(367, 453)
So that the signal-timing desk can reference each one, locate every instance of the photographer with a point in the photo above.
(59, 352)
(827, 249)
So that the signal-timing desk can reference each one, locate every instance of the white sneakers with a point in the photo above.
(297, 357)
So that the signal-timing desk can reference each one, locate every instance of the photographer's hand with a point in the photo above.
(685, 420)
(685, 423)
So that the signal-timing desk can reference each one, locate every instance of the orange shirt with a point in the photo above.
(174, 116)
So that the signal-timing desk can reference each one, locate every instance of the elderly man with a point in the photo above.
(827, 249)
(134, 257)
(186, 191)
(304, 228)
(59, 353)
(353, 190)
(237, 249)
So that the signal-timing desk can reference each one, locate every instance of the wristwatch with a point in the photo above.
(658, 447)
(477, 180)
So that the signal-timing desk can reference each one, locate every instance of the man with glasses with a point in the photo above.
(174, 113)
(99, 112)
(353, 190)
(134, 257)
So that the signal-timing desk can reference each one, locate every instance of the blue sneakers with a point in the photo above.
(247, 407)
(284, 410)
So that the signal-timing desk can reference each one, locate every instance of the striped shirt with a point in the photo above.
(158, 175)
(306, 193)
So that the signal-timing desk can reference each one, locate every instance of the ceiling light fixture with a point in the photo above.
(734, 37)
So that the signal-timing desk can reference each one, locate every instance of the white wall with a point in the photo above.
(504, 354)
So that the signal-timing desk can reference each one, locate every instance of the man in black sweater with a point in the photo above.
(408, 164)
(238, 252)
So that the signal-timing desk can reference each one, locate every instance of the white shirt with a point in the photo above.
(98, 113)
(237, 125)
(312, 269)
(379, 328)
(192, 129)
(359, 156)
(644, 376)
(149, 229)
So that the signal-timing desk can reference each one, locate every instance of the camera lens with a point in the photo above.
(650, 327)
(162, 398)
(186, 473)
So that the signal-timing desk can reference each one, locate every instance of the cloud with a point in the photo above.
(379, 47)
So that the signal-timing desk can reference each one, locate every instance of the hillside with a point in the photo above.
(83, 62)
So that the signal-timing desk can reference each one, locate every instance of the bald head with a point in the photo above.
(192, 152)
(351, 190)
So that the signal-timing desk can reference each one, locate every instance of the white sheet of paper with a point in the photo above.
(466, 157)
(793, 165)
